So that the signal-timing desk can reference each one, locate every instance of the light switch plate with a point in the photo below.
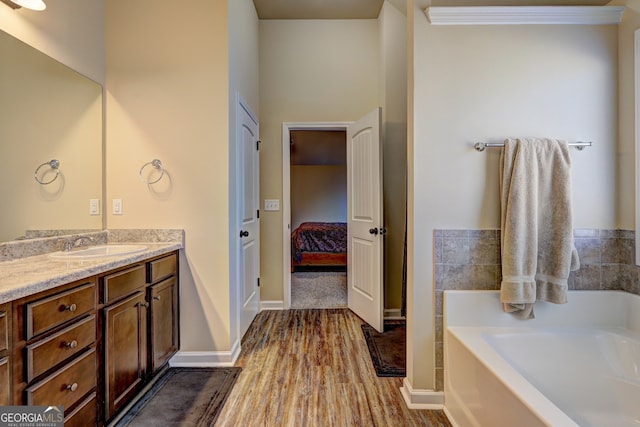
(94, 206)
(271, 204)
(116, 206)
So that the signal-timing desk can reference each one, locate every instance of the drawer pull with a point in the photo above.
(157, 298)
(3, 313)
(72, 387)
(70, 308)
(71, 344)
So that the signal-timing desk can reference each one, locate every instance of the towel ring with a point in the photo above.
(157, 165)
(54, 165)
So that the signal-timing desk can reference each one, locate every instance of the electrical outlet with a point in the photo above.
(271, 205)
(94, 206)
(116, 206)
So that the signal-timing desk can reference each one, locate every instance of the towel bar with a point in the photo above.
(480, 146)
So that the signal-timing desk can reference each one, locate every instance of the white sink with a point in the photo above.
(99, 251)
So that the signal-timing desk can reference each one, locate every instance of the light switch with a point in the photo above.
(116, 206)
(271, 205)
(94, 206)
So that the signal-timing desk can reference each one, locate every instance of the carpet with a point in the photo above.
(183, 397)
(387, 349)
(318, 290)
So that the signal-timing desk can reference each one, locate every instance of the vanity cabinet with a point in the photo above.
(125, 351)
(140, 315)
(54, 348)
(163, 312)
(5, 354)
(91, 345)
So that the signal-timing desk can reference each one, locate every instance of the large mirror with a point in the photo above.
(47, 112)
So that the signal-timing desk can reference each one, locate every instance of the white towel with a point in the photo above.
(537, 243)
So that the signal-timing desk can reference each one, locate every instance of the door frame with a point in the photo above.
(287, 127)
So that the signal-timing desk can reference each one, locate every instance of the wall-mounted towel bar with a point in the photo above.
(480, 146)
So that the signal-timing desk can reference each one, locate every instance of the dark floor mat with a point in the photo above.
(387, 349)
(183, 397)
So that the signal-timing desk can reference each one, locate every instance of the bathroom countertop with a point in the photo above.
(26, 276)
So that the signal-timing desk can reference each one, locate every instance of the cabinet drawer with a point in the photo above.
(47, 353)
(123, 283)
(84, 415)
(66, 385)
(4, 327)
(45, 314)
(163, 267)
(5, 382)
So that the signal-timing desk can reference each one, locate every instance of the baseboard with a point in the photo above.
(421, 399)
(206, 359)
(393, 313)
(271, 305)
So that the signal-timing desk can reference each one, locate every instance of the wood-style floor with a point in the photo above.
(312, 368)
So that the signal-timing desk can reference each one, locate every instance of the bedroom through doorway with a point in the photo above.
(318, 211)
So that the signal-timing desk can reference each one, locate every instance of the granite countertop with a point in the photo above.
(27, 276)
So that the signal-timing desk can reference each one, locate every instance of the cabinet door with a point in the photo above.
(164, 338)
(125, 351)
(5, 382)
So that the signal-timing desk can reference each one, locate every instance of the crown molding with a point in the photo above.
(518, 15)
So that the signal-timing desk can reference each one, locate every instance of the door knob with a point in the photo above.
(244, 233)
(373, 231)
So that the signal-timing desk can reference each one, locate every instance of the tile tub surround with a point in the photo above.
(27, 275)
(470, 260)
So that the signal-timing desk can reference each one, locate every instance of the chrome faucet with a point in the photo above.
(77, 242)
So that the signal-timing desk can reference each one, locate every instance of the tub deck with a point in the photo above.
(574, 365)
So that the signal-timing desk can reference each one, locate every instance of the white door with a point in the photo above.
(365, 227)
(248, 231)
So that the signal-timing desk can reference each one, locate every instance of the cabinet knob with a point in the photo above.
(71, 344)
(72, 387)
(143, 304)
(71, 308)
(157, 298)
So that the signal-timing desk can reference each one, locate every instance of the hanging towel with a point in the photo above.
(537, 243)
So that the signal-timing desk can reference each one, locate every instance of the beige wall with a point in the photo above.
(485, 83)
(310, 71)
(626, 189)
(169, 96)
(318, 193)
(70, 31)
(393, 66)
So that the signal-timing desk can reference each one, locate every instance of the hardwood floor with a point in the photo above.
(312, 368)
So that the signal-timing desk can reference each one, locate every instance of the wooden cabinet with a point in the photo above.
(163, 314)
(5, 354)
(163, 325)
(140, 332)
(125, 351)
(54, 339)
(91, 345)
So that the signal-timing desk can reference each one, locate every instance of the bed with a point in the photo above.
(319, 246)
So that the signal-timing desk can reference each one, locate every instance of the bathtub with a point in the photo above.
(575, 364)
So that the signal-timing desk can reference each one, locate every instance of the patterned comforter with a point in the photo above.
(318, 237)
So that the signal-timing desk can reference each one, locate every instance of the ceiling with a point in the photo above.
(370, 9)
(318, 9)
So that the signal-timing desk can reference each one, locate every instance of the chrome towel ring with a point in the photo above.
(54, 165)
(157, 165)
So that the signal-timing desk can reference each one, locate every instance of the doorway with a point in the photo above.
(314, 204)
(318, 171)
(365, 219)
